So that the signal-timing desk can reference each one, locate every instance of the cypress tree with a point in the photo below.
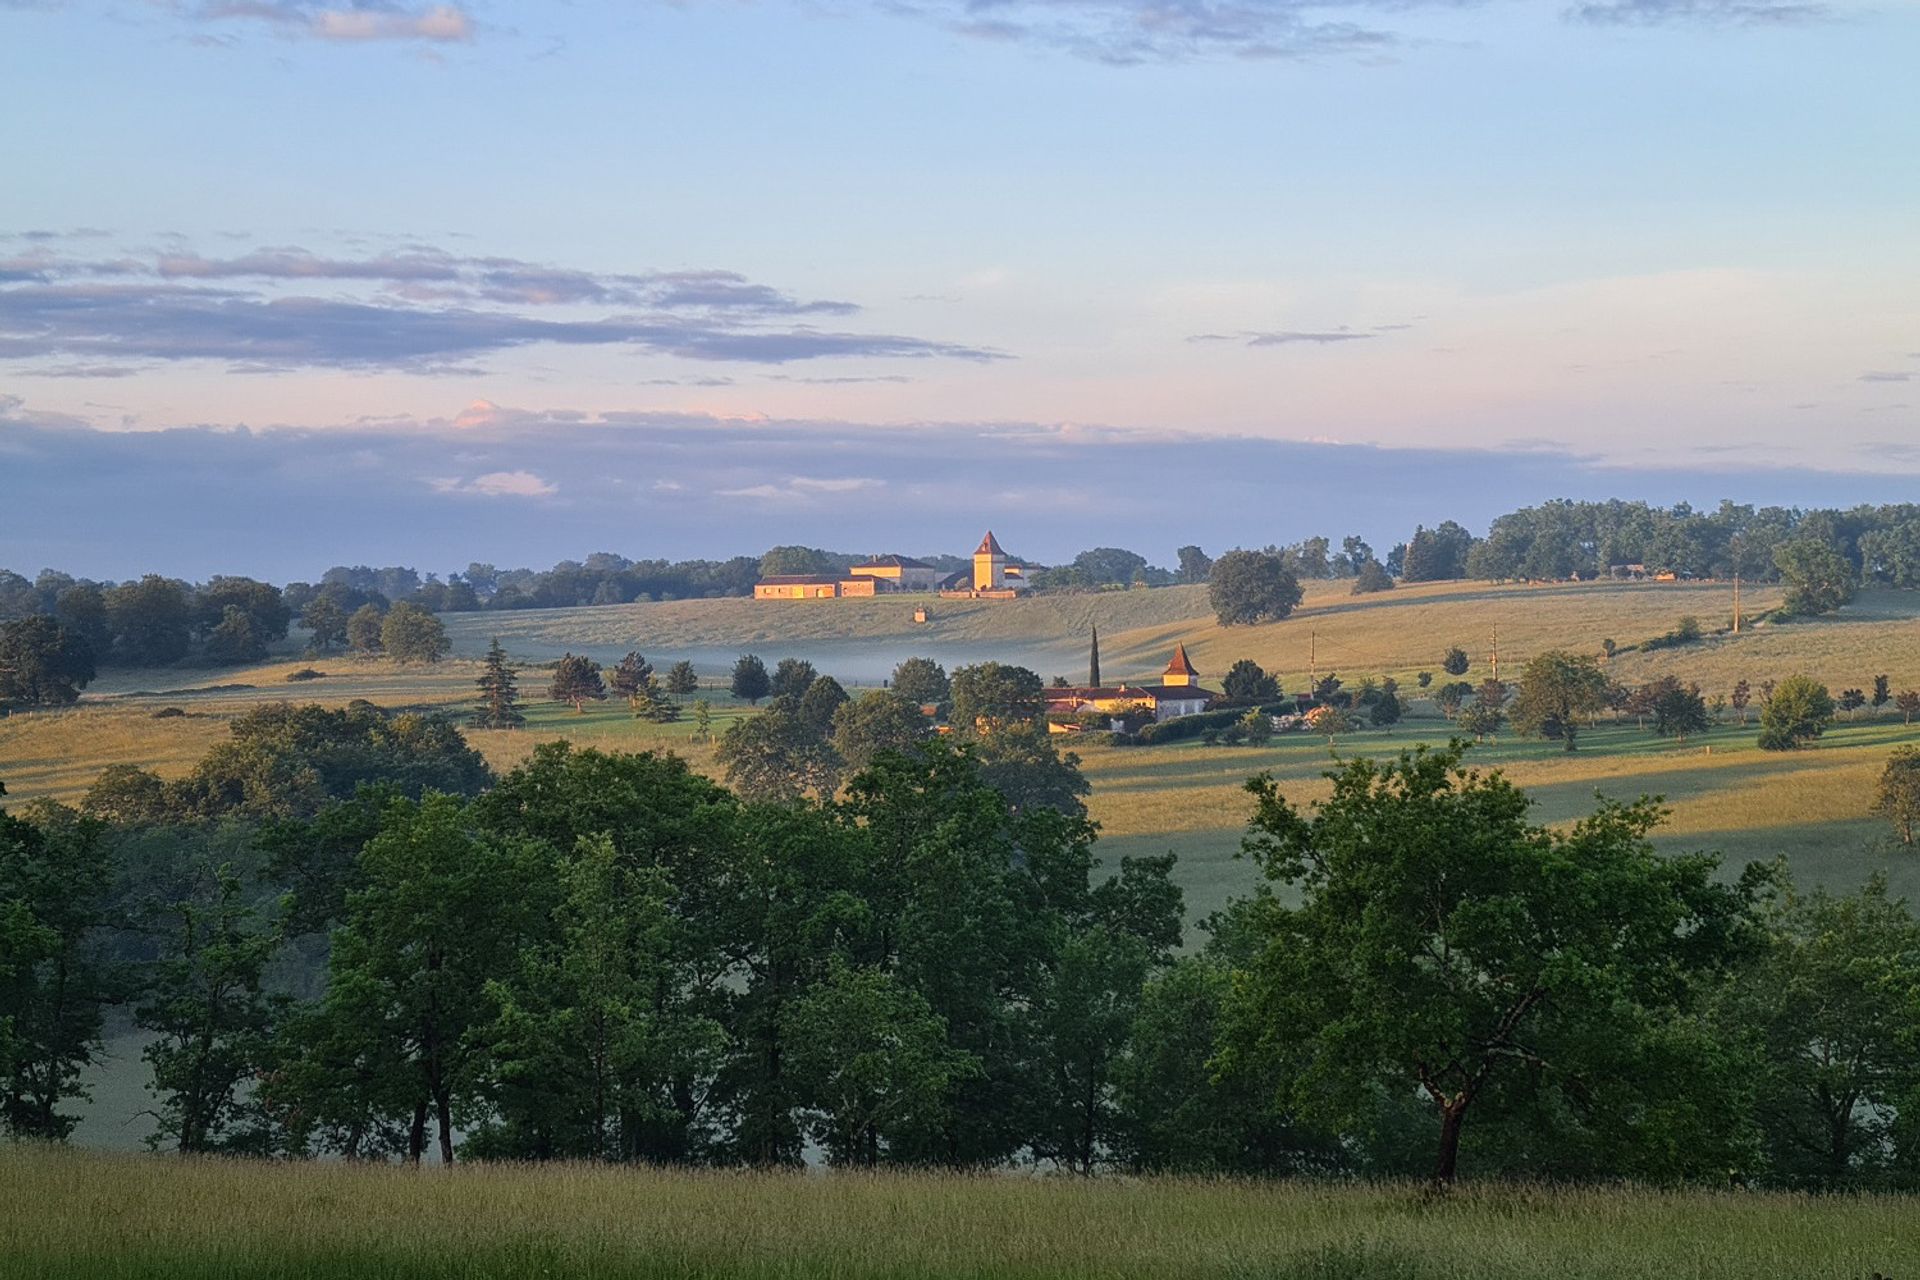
(499, 692)
(1093, 660)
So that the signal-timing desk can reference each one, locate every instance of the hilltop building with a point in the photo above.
(1177, 693)
(994, 577)
(882, 575)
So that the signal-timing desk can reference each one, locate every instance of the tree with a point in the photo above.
(1491, 693)
(1435, 555)
(1455, 662)
(82, 609)
(235, 640)
(1246, 684)
(823, 698)
(870, 1056)
(1385, 711)
(876, 721)
(1798, 711)
(499, 692)
(1482, 720)
(702, 720)
(1898, 796)
(1452, 696)
(266, 609)
(750, 681)
(990, 695)
(576, 680)
(363, 630)
(1818, 578)
(628, 676)
(55, 875)
(1908, 700)
(1678, 710)
(1256, 727)
(1022, 763)
(42, 663)
(326, 622)
(1741, 697)
(1443, 945)
(923, 681)
(1247, 587)
(777, 756)
(1371, 578)
(599, 1022)
(1556, 689)
(410, 634)
(1329, 720)
(443, 908)
(1827, 1010)
(212, 1021)
(1110, 565)
(1195, 564)
(681, 679)
(152, 620)
(792, 677)
(1851, 700)
(1882, 692)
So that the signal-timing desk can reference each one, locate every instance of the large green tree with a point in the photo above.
(1830, 1010)
(42, 664)
(1797, 711)
(878, 720)
(206, 1006)
(1247, 587)
(991, 695)
(750, 682)
(410, 634)
(499, 704)
(1442, 944)
(444, 908)
(1557, 688)
(1818, 578)
(152, 621)
(55, 980)
(923, 680)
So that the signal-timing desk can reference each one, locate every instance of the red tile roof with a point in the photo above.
(988, 546)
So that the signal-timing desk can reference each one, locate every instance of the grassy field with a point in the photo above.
(72, 1214)
(1397, 633)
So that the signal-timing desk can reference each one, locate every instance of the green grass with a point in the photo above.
(71, 1214)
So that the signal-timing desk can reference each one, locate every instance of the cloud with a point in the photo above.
(1287, 337)
(356, 22)
(182, 306)
(1886, 375)
(499, 484)
(1738, 13)
(220, 498)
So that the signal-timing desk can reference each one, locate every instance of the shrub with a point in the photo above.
(305, 673)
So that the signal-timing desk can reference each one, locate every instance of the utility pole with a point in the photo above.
(1496, 654)
(1313, 663)
(1736, 602)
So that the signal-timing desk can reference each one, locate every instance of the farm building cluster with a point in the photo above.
(993, 577)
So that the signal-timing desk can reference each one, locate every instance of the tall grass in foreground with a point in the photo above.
(72, 1214)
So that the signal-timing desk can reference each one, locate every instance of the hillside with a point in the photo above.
(1395, 633)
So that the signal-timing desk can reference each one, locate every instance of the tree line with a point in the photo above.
(346, 936)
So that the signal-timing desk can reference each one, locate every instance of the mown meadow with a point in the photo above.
(70, 1214)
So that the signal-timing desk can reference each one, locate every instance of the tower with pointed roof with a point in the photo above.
(989, 565)
(1180, 672)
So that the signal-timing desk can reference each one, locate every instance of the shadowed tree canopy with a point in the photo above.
(1443, 945)
(42, 664)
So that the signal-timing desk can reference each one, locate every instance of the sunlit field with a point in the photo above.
(73, 1214)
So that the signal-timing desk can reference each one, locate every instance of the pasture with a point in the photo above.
(1724, 793)
(73, 1214)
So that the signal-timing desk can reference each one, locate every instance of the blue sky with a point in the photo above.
(1667, 246)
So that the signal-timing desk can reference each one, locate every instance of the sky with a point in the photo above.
(285, 284)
